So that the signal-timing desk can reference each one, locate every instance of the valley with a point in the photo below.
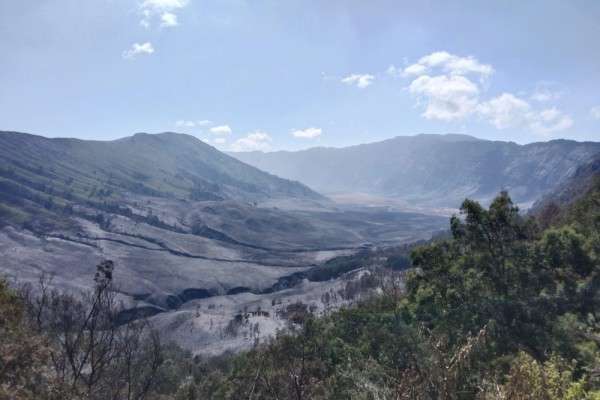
(299, 200)
(184, 225)
(211, 250)
(225, 263)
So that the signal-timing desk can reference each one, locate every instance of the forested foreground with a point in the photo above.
(508, 307)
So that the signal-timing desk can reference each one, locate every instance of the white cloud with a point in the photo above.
(137, 49)
(359, 80)
(550, 120)
(203, 122)
(449, 63)
(308, 133)
(162, 10)
(220, 140)
(436, 58)
(447, 97)
(443, 83)
(415, 69)
(506, 111)
(255, 141)
(595, 112)
(467, 65)
(163, 5)
(168, 19)
(221, 130)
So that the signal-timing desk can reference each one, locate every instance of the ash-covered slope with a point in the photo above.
(439, 170)
(180, 220)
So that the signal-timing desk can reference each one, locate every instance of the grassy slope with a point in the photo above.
(38, 173)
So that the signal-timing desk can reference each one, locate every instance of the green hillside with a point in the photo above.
(40, 175)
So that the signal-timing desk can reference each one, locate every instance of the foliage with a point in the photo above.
(504, 308)
(23, 355)
(61, 346)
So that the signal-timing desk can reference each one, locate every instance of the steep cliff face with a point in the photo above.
(585, 179)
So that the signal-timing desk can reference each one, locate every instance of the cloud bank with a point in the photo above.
(449, 87)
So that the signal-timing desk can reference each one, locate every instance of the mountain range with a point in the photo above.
(197, 235)
(431, 170)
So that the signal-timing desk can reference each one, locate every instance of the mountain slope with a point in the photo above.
(166, 164)
(584, 180)
(40, 173)
(179, 219)
(575, 200)
(431, 169)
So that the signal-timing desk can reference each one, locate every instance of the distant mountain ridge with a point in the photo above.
(439, 170)
(163, 165)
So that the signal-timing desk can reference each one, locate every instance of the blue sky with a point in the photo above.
(272, 75)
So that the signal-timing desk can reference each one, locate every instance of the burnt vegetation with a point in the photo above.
(505, 307)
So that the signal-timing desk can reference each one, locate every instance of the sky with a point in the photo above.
(291, 74)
